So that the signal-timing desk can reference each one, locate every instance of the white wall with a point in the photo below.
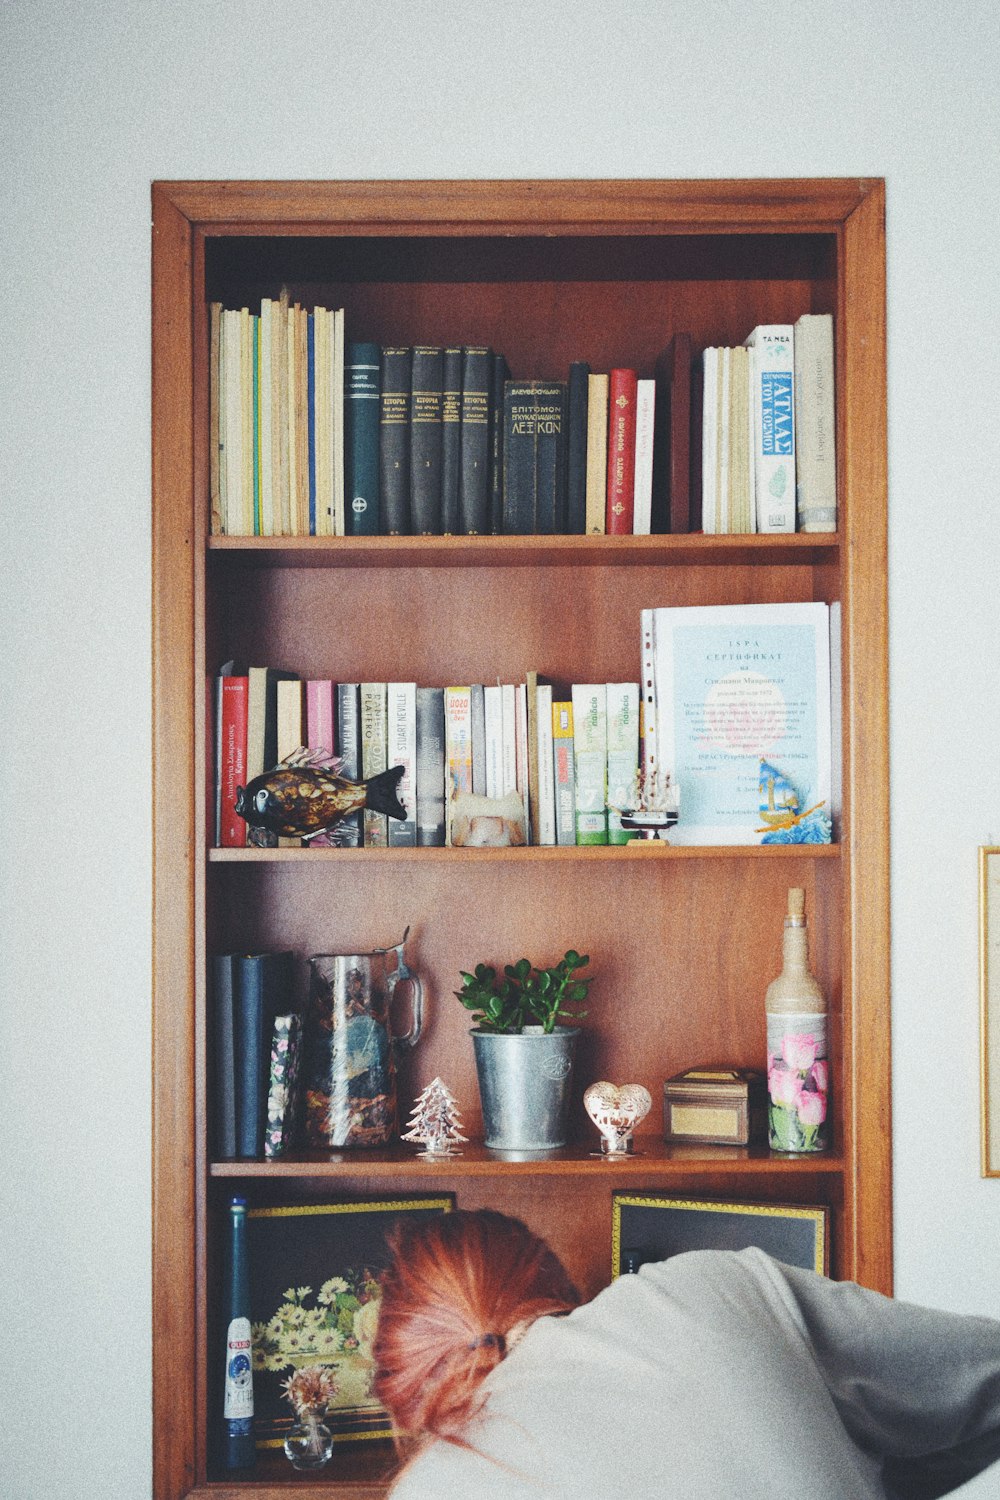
(97, 100)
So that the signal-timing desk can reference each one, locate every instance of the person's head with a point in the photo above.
(457, 1286)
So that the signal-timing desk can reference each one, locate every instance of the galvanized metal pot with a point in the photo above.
(524, 1086)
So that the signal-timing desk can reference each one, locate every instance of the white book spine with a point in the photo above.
(772, 376)
(508, 733)
(493, 712)
(458, 746)
(401, 728)
(373, 755)
(623, 754)
(338, 422)
(815, 424)
(521, 740)
(590, 750)
(233, 422)
(643, 490)
(709, 439)
(723, 515)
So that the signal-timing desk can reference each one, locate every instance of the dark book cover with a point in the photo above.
(223, 1056)
(348, 731)
(425, 441)
(451, 440)
(361, 419)
(474, 507)
(534, 486)
(394, 442)
(576, 448)
(430, 766)
(500, 374)
(671, 510)
(262, 989)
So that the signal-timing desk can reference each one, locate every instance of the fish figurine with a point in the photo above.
(305, 797)
(779, 811)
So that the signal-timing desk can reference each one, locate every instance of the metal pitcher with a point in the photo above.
(350, 1052)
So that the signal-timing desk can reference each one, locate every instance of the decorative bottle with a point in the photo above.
(237, 1410)
(798, 1070)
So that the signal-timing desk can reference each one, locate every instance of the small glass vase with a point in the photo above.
(309, 1443)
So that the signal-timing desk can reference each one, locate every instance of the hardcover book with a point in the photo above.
(590, 747)
(347, 732)
(534, 485)
(672, 447)
(374, 757)
(815, 424)
(262, 988)
(233, 760)
(597, 454)
(451, 440)
(401, 729)
(426, 441)
(564, 772)
(475, 439)
(430, 766)
(623, 754)
(621, 452)
(645, 402)
(738, 686)
(361, 436)
(499, 375)
(291, 729)
(772, 376)
(577, 389)
(262, 727)
(394, 442)
(223, 1055)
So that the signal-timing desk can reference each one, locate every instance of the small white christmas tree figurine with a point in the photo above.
(435, 1121)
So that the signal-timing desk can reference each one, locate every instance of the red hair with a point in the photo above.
(456, 1287)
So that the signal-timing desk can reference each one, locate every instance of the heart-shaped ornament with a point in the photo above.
(616, 1111)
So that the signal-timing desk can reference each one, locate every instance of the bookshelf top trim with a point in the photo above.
(487, 207)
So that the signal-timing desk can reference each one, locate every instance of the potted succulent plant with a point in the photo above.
(524, 1051)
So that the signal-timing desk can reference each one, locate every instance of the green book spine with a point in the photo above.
(623, 754)
(590, 747)
(361, 419)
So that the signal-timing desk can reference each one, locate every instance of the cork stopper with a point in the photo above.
(796, 906)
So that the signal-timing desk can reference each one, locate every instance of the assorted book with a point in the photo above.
(568, 756)
(768, 431)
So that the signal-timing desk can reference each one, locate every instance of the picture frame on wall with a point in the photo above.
(650, 1227)
(314, 1271)
(989, 1001)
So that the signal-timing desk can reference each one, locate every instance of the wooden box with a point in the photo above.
(719, 1105)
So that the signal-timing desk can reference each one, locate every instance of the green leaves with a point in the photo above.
(525, 995)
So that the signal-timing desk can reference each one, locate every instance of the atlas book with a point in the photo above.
(772, 377)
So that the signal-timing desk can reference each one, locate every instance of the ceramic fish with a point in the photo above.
(780, 815)
(304, 797)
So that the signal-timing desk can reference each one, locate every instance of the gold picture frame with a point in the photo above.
(654, 1226)
(989, 1007)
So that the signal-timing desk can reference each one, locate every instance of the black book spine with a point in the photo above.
(361, 420)
(474, 478)
(223, 1061)
(394, 442)
(500, 375)
(451, 440)
(576, 449)
(534, 456)
(425, 441)
(262, 989)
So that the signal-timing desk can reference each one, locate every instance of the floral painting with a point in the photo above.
(314, 1272)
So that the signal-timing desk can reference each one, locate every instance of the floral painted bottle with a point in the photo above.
(798, 1069)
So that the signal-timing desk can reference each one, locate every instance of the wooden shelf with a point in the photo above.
(522, 551)
(652, 1157)
(643, 849)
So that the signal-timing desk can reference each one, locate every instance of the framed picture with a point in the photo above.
(655, 1227)
(314, 1300)
(989, 992)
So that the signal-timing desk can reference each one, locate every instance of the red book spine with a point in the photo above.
(622, 391)
(233, 758)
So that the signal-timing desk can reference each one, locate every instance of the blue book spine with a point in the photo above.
(361, 438)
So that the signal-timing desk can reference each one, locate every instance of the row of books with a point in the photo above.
(568, 758)
(256, 1046)
(312, 435)
(768, 431)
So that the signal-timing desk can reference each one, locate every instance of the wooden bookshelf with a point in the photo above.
(682, 941)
